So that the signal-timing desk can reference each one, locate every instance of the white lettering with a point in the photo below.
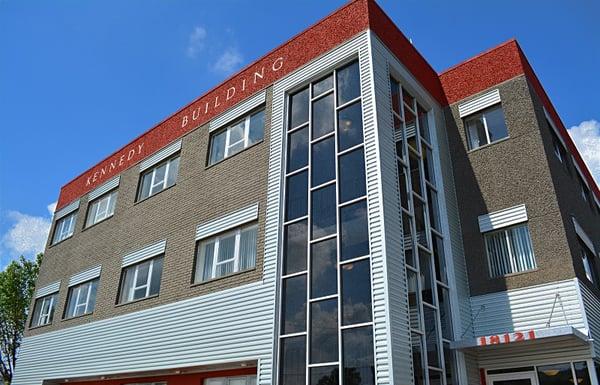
(277, 64)
(260, 74)
(184, 121)
(230, 95)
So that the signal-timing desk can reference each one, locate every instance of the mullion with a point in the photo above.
(309, 236)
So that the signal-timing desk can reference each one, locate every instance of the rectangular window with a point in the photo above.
(238, 136)
(64, 228)
(141, 280)
(226, 254)
(241, 380)
(559, 150)
(584, 190)
(486, 127)
(43, 310)
(158, 178)
(81, 299)
(589, 263)
(509, 251)
(101, 208)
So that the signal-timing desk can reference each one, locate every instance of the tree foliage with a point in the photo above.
(17, 283)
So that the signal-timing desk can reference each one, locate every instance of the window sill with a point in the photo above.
(152, 196)
(76, 317)
(515, 274)
(136, 300)
(488, 145)
(39, 326)
(97, 223)
(197, 284)
(61, 241)
(233, 156)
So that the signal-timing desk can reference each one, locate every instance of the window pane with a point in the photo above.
(293, 307)
(352, 175)
(142, 273)
(145, 185)
(348, 83)
(297, 152)
(257, 127)
(403, 185)
(70, 312)
(324, 375)
(226, 253)
(156, 276)
(297, 196)
(417, 355)
(413, 299)
(292, 368)
(247, 249)
(323, 212)
(445, 316)
(420, 222)
(295, 238)
(356, 292)
(521, 249)
(395, 96)
(92, 211)
(449, 360)
(581, 371)
(323, 161)
(113, 202)
(354, 230)
(556, 374)
(496, 124)
(428, 164)
(434, 217)
(431, 339)
(322, 85)
(36, 312)
(92, 297)
(408, 241)
(127, 284)
(205, 261)
(323, 264)
(423, 122)
(350, 126)
(159, 179)
(217, 147)
(415, 172)
(476, 132)
(426, 276)
(440, 261)
(322, 116)
(358, 363)
(324, 331)
(173, 170)
(519, 258)
(298, 108)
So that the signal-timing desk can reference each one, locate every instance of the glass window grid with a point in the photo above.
(45, 317)
(78, 295)
(398, 112)
(227, 151)
(65, 227)
(534, 369)
(514, 261)
(483, 117)
(157, 186)
(135, 287)
(98, 213)
(336, 235)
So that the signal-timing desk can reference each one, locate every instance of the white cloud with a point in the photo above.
(196, 41)
(28, 234)
(52, 208)
(586, 136)
(229, 61)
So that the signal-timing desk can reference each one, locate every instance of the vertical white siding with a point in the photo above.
(591, 305)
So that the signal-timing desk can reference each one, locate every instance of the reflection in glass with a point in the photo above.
(295, 238)
(352, 175)
(324, 375)
(297, 152)
(322, 86)
(358, 365)
(322, 116)
(433, 354)
(426, 276)
(348, 83)
(323, 212)
(581, 371)
(296, 202)
(323, 264)
(356, 292)
(350, 126)
(298, 108)
(557, 374)
(354, 230)
(323, 161)
(324, 331)
(415, 174)
(413, 299)
(292, 368)
(417, 355)
(293, 307)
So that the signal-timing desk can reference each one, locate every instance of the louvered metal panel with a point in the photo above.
(227, 222)
(144, 253)
(533, 307)
(502, 218)
(583, 236)
(68, 209)
(106, 187)
(591, 304)
(161, 155)
(238, 111)
(48, 289)
(84, 276)
(479, 103)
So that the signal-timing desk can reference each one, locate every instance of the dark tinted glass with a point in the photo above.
(420, 221)
(323, 161)
(407, 228)
(324, 375)
(156, 276)
(322, 116)
(352, 175)
(356, 292)
(323, 268)
(292, 367)
(417, 355)
(413, 299)
(426, 276)
(358, 363)
(298, 108)
(348, 83)
(256, 130)
(581, 371)
(496, 124)
(322, 86)
(293, 307)
(431, 340)
(423, 122)
(296, 203)
(324, 331)
(403, 185)
(323, 211)
(354, 230)
(415, 174)
(395, 96)
(350, 127)
(295, 239)
(297, 149)
(557, 374)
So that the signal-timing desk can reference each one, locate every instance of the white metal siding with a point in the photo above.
(227, 222)
(502, 218)
(479, 103)
(85, 276)
(161, 155)
(583, 235)
(106, 187)
(528, 308)
(48, 289)
(68, 209)
(591, 305)
(144, 253)
(238, 111)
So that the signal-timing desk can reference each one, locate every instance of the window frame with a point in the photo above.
(152, 170)
(59, 227)
(131, 291)
(512, 261)
(111, 195)
(200, 254)
(245, 119)
(78, 287)
(482, 116)
(49, 315)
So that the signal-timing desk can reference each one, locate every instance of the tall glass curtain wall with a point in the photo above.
(428, 288)
(326, 334)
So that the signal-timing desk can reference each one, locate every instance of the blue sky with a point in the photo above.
(80, 79)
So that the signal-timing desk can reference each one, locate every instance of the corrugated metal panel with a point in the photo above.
(227, 222)
(502, 218)
(238, 111)
(479, 103)
(48, 289)
(528, 308)
(87, 275)
(584, 237)
(591, 305)
(68, 209)
(106, 187)
(144, 253)
(161, 155)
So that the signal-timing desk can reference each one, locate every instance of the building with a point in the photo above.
(335, 213)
